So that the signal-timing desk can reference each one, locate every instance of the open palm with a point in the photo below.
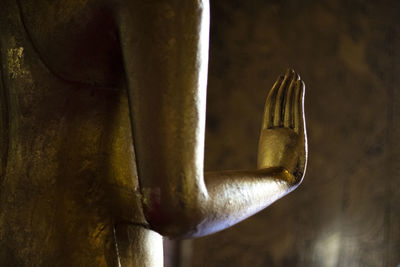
(283, 138)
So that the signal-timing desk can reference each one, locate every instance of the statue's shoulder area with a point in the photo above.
(77, 39)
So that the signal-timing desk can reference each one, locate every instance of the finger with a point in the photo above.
(268, 109)
(289, 98)
(299, 108)
(279, 105)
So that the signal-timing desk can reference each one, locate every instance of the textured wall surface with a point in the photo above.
(347, 211)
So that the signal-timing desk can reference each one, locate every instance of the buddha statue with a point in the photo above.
(102, 133)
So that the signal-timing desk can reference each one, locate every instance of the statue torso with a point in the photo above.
(68, 172)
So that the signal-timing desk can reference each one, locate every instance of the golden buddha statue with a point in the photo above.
(102, 133)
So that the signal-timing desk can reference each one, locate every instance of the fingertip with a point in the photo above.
(290, 71)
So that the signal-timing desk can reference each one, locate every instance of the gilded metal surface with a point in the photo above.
(76, 75)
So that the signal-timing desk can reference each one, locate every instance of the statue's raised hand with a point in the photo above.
(283, 139)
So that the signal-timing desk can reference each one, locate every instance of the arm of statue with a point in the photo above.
(282, 155)
(165, 50)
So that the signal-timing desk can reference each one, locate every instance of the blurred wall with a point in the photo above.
(347, 211)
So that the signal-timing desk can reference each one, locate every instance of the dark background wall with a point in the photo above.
(347, 211)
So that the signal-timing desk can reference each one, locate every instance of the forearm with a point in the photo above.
(236, 195)
(231, 197)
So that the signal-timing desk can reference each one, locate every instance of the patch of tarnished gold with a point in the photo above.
(15, 61)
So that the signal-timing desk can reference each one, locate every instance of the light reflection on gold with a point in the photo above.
(15, 58)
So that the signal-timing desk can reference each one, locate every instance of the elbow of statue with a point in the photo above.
(171, 214)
